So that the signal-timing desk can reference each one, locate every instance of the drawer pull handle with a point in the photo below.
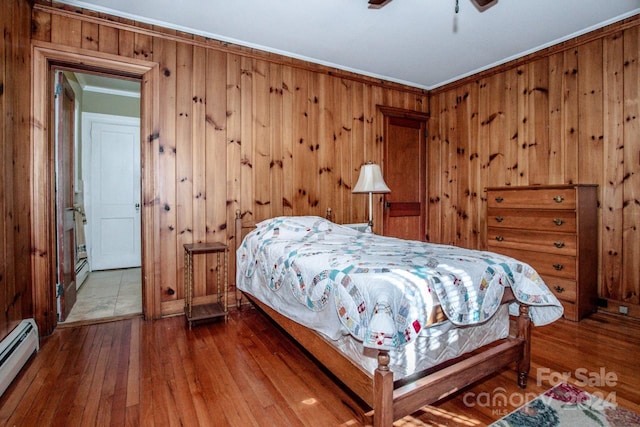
(499, 238)
(499, 199)
(558, 199)
(558, 221)
(499, 219)
(558, 266)
(558, 244)
(559, 289)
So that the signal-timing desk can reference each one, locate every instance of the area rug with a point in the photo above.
(567, 405)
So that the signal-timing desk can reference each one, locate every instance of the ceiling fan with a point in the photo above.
(480, 4)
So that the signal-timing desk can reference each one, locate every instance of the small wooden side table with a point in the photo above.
(199, 313)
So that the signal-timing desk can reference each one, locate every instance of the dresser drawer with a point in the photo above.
(539, 241)
(543, 198)
(564, 289)
(555, 221)
(546, 264)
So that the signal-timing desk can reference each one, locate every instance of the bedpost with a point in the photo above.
(238, 237)
(383, 392)
(524, 332)
(238, 229)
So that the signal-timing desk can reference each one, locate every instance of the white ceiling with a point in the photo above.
(108, 85)
(422, 43)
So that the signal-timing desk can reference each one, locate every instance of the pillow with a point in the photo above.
(294, 227)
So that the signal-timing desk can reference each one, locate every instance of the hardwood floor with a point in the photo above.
(246, 372)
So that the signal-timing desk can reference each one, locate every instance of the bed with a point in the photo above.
(393, 320)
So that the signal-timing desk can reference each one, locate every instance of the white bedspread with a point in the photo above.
(381, 290)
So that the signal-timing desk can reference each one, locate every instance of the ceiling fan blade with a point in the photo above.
(483, 3)
(480, 4)
(377, 4)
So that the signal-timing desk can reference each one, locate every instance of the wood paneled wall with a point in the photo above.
(239, 129)
(270, 135)
(15, 279)
(569, 114)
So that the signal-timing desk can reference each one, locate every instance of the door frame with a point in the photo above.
(46, 57)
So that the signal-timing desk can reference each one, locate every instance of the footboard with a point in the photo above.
(391, 404)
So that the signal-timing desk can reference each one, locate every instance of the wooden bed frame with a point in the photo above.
(390, 402)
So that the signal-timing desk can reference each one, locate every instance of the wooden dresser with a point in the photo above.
(553, 229)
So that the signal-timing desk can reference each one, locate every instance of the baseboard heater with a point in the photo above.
(82, 272)
(15, 351)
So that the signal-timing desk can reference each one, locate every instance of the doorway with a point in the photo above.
(106, 199)
(45, 59)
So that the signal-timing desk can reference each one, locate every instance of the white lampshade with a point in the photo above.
(370, 180)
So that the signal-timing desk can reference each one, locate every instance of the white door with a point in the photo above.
(114, 215)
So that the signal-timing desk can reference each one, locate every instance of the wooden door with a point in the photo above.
(64, 172)
(405, 173)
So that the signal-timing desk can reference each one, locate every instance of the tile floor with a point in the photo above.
(109, 293)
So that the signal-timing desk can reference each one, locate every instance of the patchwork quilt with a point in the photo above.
(381, 290)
